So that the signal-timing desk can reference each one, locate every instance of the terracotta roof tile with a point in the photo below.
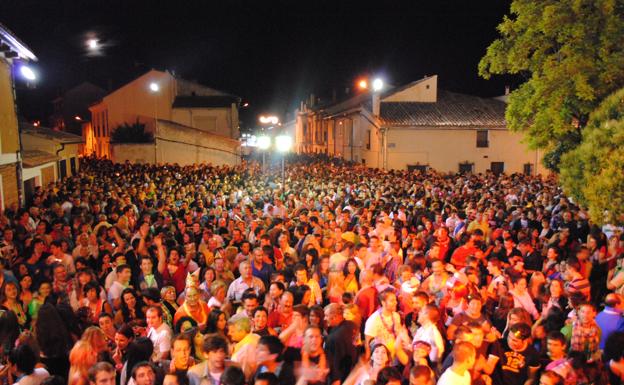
(451, 110)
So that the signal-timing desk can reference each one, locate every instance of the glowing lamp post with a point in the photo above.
(283, 144)
(377, 85)
(155, 89)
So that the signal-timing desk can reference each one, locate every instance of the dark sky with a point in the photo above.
(271, 53)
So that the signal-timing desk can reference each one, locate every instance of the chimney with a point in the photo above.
(347, 90)
(507, 90)
(312, 100)
(376, 104)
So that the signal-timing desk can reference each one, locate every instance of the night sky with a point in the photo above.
(271, 53)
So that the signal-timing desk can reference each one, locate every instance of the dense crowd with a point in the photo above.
(340, 274)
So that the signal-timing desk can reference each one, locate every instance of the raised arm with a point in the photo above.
(162, 254)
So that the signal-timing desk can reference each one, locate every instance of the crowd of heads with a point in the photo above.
(135, 274)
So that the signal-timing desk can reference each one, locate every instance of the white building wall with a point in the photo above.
(445, 149)
(214, 120)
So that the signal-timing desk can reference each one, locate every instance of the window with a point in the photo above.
(528, 168)
(482, 139)
(368, 139)
(497, 167)
(63, 168)
(466, 168)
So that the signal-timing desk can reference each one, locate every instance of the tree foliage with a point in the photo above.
(572, 55)
(593, 173)
(131, 133)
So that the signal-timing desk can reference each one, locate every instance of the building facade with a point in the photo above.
(417, 126)
(48, 156)
(13, 53)
(171, 109)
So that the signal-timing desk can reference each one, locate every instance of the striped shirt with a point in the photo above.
(579, 285)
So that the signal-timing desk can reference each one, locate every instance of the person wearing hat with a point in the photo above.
(513, 361)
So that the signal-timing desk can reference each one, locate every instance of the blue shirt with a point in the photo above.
(609, 320)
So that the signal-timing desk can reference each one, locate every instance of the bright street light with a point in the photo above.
(264, 142)
(28, 73)
(154, 87)
(363, 84)
(377, 84)
(268, 119)
(283, 143)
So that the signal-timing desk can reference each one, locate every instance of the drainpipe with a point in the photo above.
(384, 147)
(352, 133)
(19, 166)
(156, 142)
(58, 163)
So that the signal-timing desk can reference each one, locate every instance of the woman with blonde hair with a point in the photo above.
(95, 338)
(335, 286)
(81, 358)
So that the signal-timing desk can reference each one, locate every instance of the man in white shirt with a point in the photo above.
(84, 249)
(428, 331)
(124, 273)
(159, 332)
(384, 325)
(464, 356)
(375, 254)
(56, 249)
(244, 282)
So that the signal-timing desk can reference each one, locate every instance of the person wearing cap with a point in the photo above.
(513, 361)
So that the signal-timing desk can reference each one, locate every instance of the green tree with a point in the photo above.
(593, 173)
(571, 53)
(131, 133)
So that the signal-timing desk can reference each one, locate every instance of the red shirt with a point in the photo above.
(279, 320)
(178, 280)
(367, 301)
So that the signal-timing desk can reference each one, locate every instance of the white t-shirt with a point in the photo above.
(114, 293)
(161, 338)
(35, 378)
(449, 377)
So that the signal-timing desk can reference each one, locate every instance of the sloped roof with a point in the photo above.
(213, 101)
(16, 48)
(451, 110)
(58, 136)
(33, 158)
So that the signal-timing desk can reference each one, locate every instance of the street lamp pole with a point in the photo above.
(154, 89)
(283, 172)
